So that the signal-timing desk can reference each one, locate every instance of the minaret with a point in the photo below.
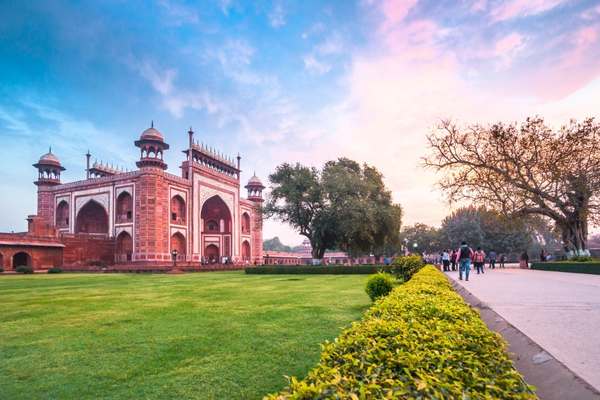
(255, 188)
(152, 146)
(49, 169)
(87, 163)
(191, 143)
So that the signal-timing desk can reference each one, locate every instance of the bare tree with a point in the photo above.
(526, 169)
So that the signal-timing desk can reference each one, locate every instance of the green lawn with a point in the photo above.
(221, 335)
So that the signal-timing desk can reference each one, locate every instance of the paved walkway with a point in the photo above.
(559, 311)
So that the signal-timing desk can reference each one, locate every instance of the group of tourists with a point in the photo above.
(464, 256)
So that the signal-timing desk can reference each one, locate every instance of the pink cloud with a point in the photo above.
(522, 8)
(395, 11)
(509, 43)
(478, 5)
(399, 91)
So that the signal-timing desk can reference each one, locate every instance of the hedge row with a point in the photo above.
(319, 269)
(569, 266)
(421, 341)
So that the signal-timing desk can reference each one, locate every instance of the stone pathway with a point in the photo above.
(559, 311)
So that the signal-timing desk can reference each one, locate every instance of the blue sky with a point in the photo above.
(281, 81)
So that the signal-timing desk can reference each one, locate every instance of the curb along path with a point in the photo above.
(552, 378)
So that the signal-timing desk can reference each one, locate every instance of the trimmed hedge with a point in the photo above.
(421, 341)
(54, 270)
(569, 266)
(316, 269)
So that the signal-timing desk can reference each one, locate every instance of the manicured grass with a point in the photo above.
(219, 335)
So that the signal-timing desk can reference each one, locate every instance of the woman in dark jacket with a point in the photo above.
(525, 260)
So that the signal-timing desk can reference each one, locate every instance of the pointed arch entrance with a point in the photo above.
(216, 226)
(21, 259)
(92, 218)
(211, 253)
(246, 251)
(124, 247)
(178, 243)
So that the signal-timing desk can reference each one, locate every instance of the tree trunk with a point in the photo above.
(317, 252)
(574, 234)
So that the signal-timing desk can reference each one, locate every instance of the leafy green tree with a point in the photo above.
(297, 198)
(344, 205)
(368, 221)
(487, 228)
(427, 238)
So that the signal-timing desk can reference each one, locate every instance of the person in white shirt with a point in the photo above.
(446, 260)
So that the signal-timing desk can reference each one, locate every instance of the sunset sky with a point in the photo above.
(280, 81)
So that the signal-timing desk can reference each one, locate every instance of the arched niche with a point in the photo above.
(62, 214)
(178, 214)
(246, 223)
(124, 207)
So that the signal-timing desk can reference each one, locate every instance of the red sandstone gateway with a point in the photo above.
(134, 220)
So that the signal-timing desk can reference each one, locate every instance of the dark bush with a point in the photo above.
(404, 267)
(380, 285)
(422, 341)
(1, 270)
(24, 269)
(54, 270)
(569, 266)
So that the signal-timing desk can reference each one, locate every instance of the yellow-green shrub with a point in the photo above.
(379, 285)
(421, 341)
(404, 267)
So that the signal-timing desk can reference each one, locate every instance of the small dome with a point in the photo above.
(152, 134)
(255, 181)
(49, 158)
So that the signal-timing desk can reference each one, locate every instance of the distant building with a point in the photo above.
(142, 217)
(304, 257)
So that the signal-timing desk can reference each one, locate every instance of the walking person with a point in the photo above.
(446, 260)
(453, 256)
(502, 260)
(464, 255)
(479, 260)
(492, 257)
(524, 260)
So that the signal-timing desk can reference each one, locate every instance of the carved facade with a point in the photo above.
(148, 215)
